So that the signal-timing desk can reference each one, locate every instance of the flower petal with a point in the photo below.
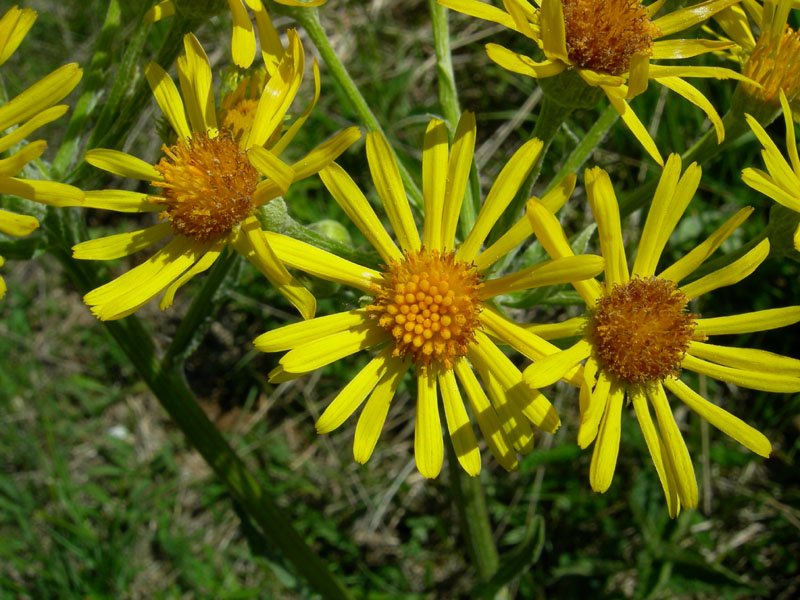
(546, 371)
(17, 225)
(205, 262)
(122, 164)
(121, 201)
(51, 193)
(481, 10)
(168, 99)
(690, 16)
(428, 443)
(46, 92)
(746, 358)
(353, 394)
(595, 407)
(16, 162)
(761, 320)
(324, 351)
(554, 331)
(121, 244)
(500, 195)
(524, 65)
(755, 380)
(243, 41)
(730, 425)
(606, 212)
(675, 49)
(632, 121)
(159, 11)
(606, 446)
(14, 26)
(386, 177)
(552, 272)
(31, 125)
(730, 274)
(434, 182)
(272, 167)
(303, 332)
(196, 85)
(373, 416)
(458, 168)
(287, 137)
(696, 97)
(458, 425)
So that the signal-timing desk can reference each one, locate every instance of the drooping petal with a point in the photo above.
(17, 225)
(606, 446)
(458, 425)
(31, 125)
(243, 41)
(428, 443)
(488, 421)
(721, 419)
(353, 394)
(674, 49)
(205, 262)
(690, 16)
(633, 123)
(524, 65)
(16, 162)
(696, 97)
(46, 92)
(373, 416)
(596, 406)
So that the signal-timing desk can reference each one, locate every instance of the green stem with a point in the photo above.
(448, 99)
(179, 402)
(309, 19)
(586, 146)
(471, 506)
(551, 116)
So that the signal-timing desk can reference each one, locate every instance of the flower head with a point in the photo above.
(782, 180)
(638, 335)
(429, 310)
(31, 109)
(609, 44)
(208, 184)
(243, 40)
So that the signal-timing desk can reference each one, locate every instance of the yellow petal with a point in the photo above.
(296, 334)
(196, 85)
(253, 245)
(16, 162)
(555, 331)
(638, 75)
(287, 137)
(120, 163)
(761, 320)
(688, 17)
(677, 454)
(669, 203)
(43, 94)
(458, 169)
(120, 201)
(596, 406)
(761, 182)
(243, 41)
(746, 358)
(461, 434)
(128, 292)
(721, 419)
(434, 181)
(168, 99)
(606, 212)
(522, 340)
(500, 195)
(481, 10)
(428, 443)
(512, 238)
(633, 123)
(373, 416)
(353, 394)
(14, 26)
(606, 447)
(159, 11)
(696, 97)
(279, 92)
(320, 352)
(550, 369)
(687, 264)
(660, 71)
(524, 65)
(552, 272)
(17, 225)
(559, 193)
(656, 448)
(749, 378)
(31, 125)
(322, 264)
(675, 49)
(348, 195)
(121, 244)
(208, 259)
(730, 274)
(386, 177)
(272, 167)
(51, 193)
(488, 421)
(270, 41)
(553, 33)
(791, 144)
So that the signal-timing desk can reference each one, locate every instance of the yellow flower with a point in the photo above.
(30, 110)
(782, 182)
(609, 44)
(429, 307)
(209, 185)
(243, 40)
(772, 60)
(637, 335)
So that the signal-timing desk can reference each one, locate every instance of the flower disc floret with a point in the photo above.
(603, 35)
(775, 64)
(641, 330)
(208, 185)
(429, 304)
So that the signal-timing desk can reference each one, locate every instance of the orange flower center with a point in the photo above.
(603, 35)
(429, 305)
(208, 185)
(775, 64)
(641, 330)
